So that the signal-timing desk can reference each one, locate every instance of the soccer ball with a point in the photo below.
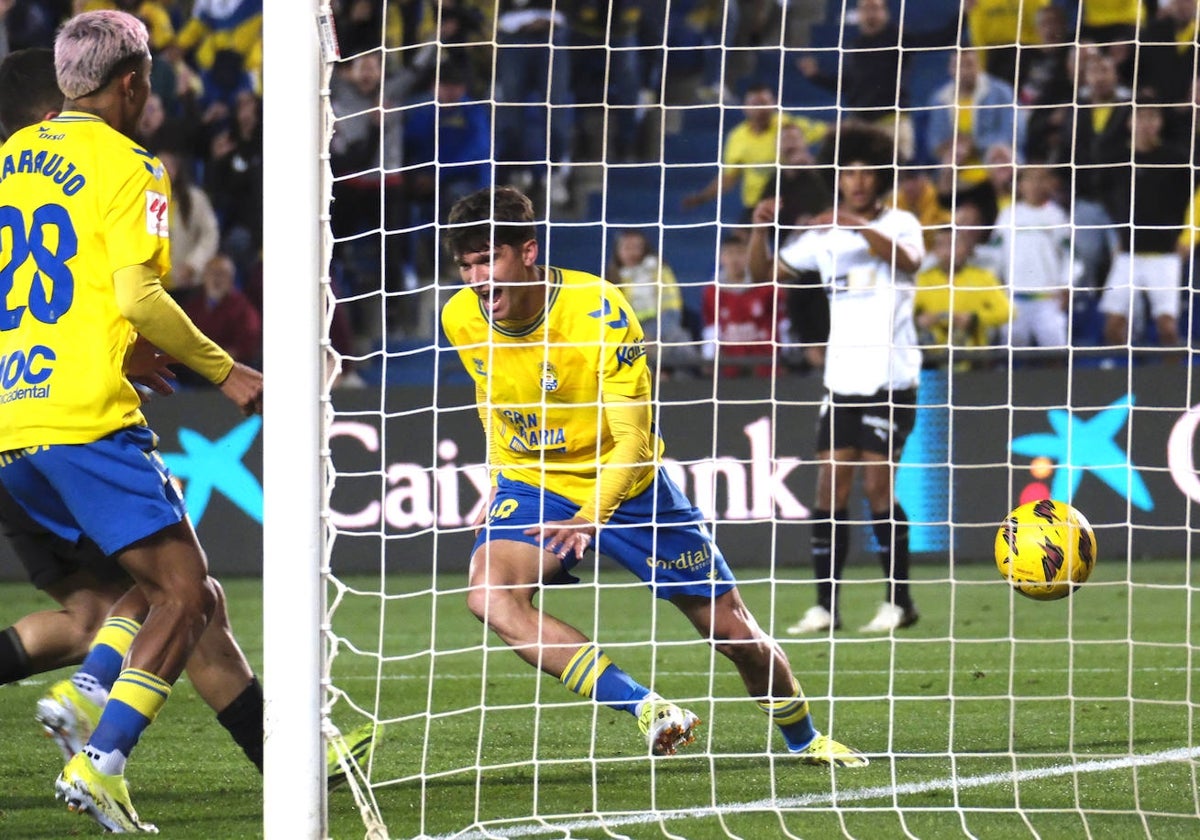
(1045, 549)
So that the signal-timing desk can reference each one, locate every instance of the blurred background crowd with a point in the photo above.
(204, 120)
(1049, 146)
(1024, 129)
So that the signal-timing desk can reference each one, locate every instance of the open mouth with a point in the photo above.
(492, 297)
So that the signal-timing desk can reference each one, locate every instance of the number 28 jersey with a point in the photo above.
(78, 202)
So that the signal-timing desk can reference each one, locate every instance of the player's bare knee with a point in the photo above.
(740, 651)
(879, 498)
(83, 630)
(496, 606)
(488, 603)
(739, 639)
(220, 611)
(202, 601)
(87, 614)
(477, 600)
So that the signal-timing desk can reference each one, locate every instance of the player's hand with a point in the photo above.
(840, 218)
(764, 212)
(481, 517)
(147, 366)
(565, 537)
(823, 219)
(244, 386)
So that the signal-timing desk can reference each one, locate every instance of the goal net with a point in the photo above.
(1049, 159)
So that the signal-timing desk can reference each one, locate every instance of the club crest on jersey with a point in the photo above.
(480, 369)
(156, 215)
(549, 377)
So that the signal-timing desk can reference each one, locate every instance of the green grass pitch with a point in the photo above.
(995, 717)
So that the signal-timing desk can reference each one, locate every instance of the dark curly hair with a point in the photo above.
(858, 143)
(862, 144)
(489, 217)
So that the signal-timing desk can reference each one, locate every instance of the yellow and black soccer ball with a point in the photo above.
(1045, 549)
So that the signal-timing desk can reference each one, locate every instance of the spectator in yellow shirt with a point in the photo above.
(215, 25)
(150, 12)
(751, 150)
(917, 193)
(959, 305)
(997, 27)
(1113, 24)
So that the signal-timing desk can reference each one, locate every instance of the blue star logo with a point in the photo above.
(1082, 446)
(205, 466)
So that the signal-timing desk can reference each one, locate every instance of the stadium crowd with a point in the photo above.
(204, 121)
(1022, 154)
(1043, 120)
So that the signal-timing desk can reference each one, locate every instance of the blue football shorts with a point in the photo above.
(115, 491)
(658, 535)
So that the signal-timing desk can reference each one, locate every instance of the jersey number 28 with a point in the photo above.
(53, 286)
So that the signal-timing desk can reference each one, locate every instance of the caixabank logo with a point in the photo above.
(1077, 446)
(1181, 458)
(218, 465)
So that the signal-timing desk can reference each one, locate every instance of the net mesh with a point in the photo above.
(1057, 364)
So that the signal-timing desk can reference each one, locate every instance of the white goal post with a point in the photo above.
(293, 235)
(991, 716)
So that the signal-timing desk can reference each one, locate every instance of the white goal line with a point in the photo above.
(666, 673)
(548, 825)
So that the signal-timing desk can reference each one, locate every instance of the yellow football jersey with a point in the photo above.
(78, 201)
(545, 383)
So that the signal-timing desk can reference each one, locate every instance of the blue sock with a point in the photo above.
(590, 673)
(135, 701)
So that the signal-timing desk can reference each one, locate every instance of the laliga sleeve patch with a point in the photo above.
(156, 214)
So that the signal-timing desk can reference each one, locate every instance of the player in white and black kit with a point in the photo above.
(866, 255)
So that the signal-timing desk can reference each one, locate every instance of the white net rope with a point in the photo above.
(1051, 176)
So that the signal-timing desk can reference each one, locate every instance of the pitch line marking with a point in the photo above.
(661, 672)
(823, 799)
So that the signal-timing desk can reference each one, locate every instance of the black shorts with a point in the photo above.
(49, 558)
(880, 423)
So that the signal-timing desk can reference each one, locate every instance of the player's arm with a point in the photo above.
(493, 450)
(905, 256)
(725, 179)
(143, 301)
(901, 249)
(492, 439)
(628, 420)
(762, 263)
(625, 408)
(146, 365)
(722, 183)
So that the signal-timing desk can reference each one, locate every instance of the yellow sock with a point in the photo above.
(792, 717)
(141, 691)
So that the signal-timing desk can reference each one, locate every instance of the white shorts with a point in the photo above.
(1158, 276)
(1036, 322)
